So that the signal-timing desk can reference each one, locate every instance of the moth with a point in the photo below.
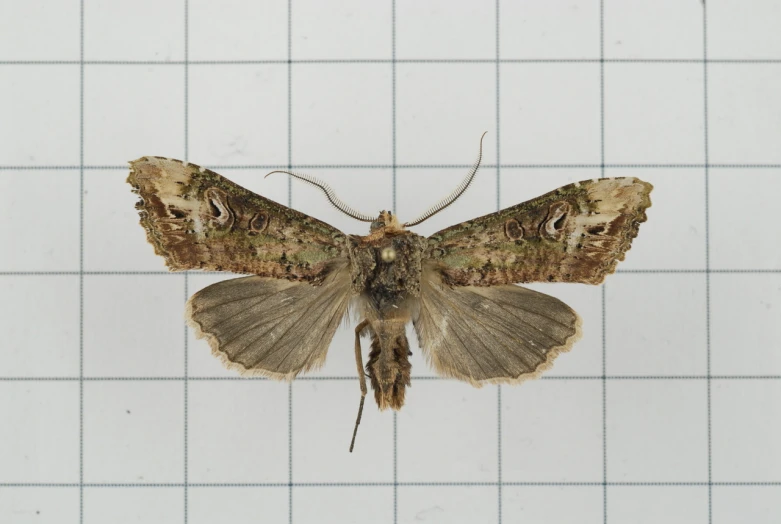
(456, 286)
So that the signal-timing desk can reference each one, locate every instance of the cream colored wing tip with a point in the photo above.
(140, 160)
(153, 158)
(647, 186)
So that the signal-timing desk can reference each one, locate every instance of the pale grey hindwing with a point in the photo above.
(271, 327)
(500, 334)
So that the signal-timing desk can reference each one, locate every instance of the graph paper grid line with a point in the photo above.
(186, 395)
(195, 378)
(603, 292)
(178, 275)
(416, 166)
(566, 61)
(81, 261)
(500, 492)
(707, 258)
(290, 204)
(596, 484)
(400, 477)
(395, 209)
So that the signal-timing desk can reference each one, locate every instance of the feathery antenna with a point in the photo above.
(330, 194)
(452, 197)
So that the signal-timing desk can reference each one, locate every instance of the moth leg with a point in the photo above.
(361, 375)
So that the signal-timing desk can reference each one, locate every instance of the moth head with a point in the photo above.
(386, 220)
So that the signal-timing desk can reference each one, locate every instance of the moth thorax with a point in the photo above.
(386, 268)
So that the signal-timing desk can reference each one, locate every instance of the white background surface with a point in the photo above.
(667, 411)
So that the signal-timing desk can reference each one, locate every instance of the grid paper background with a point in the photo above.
(668, 410)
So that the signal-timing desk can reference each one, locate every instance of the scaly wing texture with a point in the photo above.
(270, 327)
(196, 219)
(501, 334)
(577, 233)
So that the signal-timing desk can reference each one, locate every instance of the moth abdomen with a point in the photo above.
(388, 367)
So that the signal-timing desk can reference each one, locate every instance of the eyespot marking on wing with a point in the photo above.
(513, 229)
(554, 224)
(219, 207)
(259, 222)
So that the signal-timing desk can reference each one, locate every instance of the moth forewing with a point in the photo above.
(576, 233)
(197, 219)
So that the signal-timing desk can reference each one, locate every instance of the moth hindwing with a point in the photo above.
(456, 287)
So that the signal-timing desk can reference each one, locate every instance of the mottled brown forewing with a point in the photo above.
(196, 219)
(577, 233)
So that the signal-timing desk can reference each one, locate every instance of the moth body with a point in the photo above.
(386, 268)
(456, 287)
